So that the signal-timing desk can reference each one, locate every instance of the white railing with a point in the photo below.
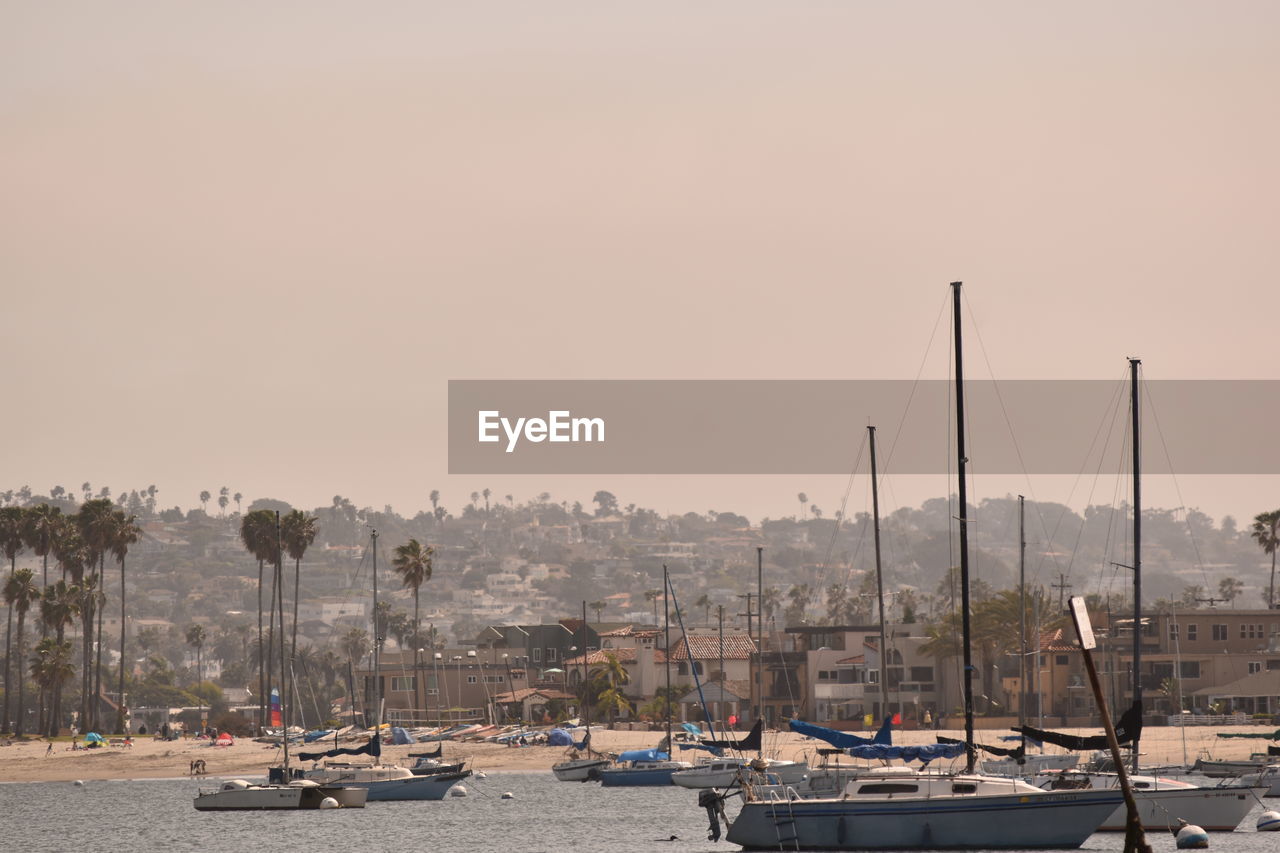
(1214, 720)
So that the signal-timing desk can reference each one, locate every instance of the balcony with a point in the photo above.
(832, 692)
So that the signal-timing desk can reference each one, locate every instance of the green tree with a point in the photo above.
(606, 503)
(195, 637)
(298, 531)
(51, 668)
(11, 540)
(703, 601)
(652, 596)
(258, 534)
(59, 607)
(40, 531)
(1266, 532)
(1229, 590)
(20, 592)
(97, 525)
(608, 679)
(126, 534)
(412, 562)
(204, 501)
(598, 607)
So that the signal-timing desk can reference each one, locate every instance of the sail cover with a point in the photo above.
(714, 750)
(373, 747)
(1128, 729)
(643, 755)
(844, 740)
(1264, 736)
(1016, 753)
(750, 743)
(439, 751)
(926, 753)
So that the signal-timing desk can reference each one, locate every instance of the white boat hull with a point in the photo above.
(581, 770)
(1212, 809)
(726, 774)
(1003, 821)
(277, 798)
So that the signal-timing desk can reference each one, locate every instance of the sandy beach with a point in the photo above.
(149, 759)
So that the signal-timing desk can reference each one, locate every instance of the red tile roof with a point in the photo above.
(708, 648)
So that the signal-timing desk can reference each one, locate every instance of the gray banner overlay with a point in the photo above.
(818, 426)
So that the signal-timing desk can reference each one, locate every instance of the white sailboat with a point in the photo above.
(906, 809)
(576, 767)
(240, 795)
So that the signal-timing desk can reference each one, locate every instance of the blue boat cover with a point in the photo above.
(316, 735)
(925, 753)
(691, 729)
(559, 737)
(400, 737)
(844, 740)
(714, 750)
(643, 755)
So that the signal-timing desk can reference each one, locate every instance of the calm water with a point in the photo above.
(545, 815)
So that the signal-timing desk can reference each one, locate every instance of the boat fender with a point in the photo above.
(1190, 837)
(329, 803)
(458, 791)
(79, 783)
(1269, 821)
(507, 795)
(480, 774)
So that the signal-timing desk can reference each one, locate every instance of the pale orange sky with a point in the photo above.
(247, 244)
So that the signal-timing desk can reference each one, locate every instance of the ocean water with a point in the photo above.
(545, 815)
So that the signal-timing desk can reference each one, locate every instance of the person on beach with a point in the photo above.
(49, 751)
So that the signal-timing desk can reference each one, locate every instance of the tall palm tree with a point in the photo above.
(652, 596)
(224, 498)
(598, 607)
(258, 533)
(434, 497)
(703, 601)
(237, 497)
(41, 529)
(804, 499)
(59, 607)
(1266, 532)
(51, 668)
(354, 644)
(20, 592)
(204, 501)
(195, 637)
(126, 533)
(11, 525)
(412, 562)
(97, 526)
(609, 679)
(298, 530)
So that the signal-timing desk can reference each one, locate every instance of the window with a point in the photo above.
(1191, 633)
(1273, 664)
(922, 673)
(1219, 632)
(1255, 666)
(682, 668)
(1189, 669)
(1060, 660)
(551, 655)
(1162, 670)
(471, 679)
(964, 788)
(537, 655)
(403, 683)
(495, 679)
(888, 788)
(1173, 632)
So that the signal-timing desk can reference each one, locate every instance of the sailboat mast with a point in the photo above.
(586, 687)
(1135, 406)
(666, 643)
(1022, 617)
(961, 462)
(875, 516)
(284, 679)
(377, 646)
(760, 626)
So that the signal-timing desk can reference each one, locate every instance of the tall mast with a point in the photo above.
(1022, 617)
(720, 704)
(586, 689)
(284, 680)
(377, 646)
(760, 626)
(666, 643)
(1135, 406)
(875, 515)
(961, 462)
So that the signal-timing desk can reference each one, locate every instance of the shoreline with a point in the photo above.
(152, 759)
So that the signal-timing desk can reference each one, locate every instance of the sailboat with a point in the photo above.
(648, 767)
(1160, 801)
(902, 808)
(284, 794)
(382, 780)
(577, 768)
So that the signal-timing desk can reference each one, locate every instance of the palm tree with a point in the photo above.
(354, 644)
(204, 501)
(127, 532)
(237, 497)
(769, 601)
(97, 525)
(703, 601)
(223, 499)
(11, 525)
(608, 679)
(652, 596)
(486, 494)
(195, 637)
(804, 499)
(59, 607)
(20, 592)
(598, 607)
(51, 668)
(412, 562)
(1266, 532)
(434, 497)
(41, 529)
(298, 530)
(258, 533)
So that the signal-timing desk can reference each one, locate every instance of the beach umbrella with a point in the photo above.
(93, 737)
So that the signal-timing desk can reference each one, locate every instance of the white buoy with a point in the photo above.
(457, 791)
(1191, 837)
(480, 774)
(1269, 822)
(79, 783)
(507, 795)
(329, 803)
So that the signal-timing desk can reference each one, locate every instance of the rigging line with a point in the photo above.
(1195, 545)
(825, 565)
(1108, 542)
(1109, 415)
(915, 383)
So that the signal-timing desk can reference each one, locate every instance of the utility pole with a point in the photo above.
(1061, 586)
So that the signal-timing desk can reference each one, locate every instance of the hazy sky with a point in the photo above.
(247, 244)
